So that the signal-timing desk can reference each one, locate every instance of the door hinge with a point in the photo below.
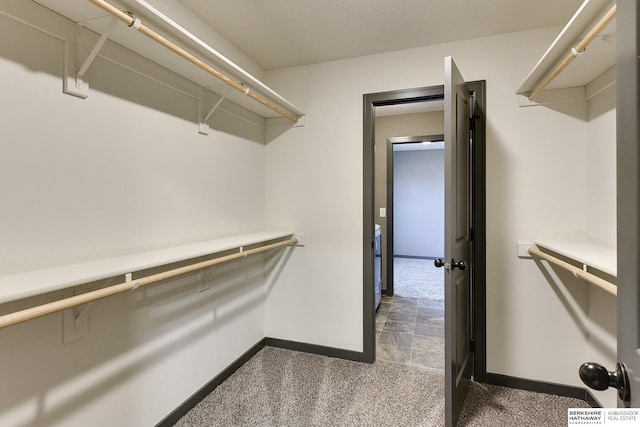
(472, 111)
(472, 345)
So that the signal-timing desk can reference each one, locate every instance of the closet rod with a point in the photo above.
(591, 278)
(244, 75)
(136, 24)
(66, 303)
(579, 49)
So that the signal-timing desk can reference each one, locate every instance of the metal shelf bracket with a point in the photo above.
(75, 321)
(203, 126)
(75, 82)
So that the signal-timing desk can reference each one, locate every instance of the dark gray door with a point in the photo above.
(628, 171)
(457, 241)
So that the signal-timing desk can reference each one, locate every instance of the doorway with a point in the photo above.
(410, 169)
(415, 206)
(415, 238)
(371, 209)
(410, 319)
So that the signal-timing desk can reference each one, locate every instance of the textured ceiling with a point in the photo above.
(284, 33)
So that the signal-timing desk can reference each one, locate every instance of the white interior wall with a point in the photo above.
(601, 228)
(418, 200)
(122, 171)
(314, 183)
(601, 145)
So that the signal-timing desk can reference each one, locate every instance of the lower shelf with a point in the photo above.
(597, 264)
(590, 255)
(23, 285)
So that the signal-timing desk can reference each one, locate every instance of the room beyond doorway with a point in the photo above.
(414, 199)
(410, 319)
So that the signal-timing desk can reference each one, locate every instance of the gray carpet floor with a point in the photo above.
(418, 278)
(286, 388)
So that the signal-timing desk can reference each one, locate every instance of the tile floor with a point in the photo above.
(410, 331)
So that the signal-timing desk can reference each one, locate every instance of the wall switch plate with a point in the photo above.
(522, 249)
(383, 212)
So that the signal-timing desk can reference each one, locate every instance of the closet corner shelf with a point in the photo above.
(588, 254)
(28, 284)
(589, 74)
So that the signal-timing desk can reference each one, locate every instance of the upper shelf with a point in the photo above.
(591, 71)
(173, 29)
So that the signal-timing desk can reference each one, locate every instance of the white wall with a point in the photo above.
(601, 228)
(418, 201)
(122, 171)
(536, 185)
(601, 194)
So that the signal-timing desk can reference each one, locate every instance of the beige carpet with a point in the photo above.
(418, 278)
(286, 388)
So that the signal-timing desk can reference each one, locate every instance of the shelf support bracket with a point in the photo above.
(203, 126)
(75, 322)
(74, 81)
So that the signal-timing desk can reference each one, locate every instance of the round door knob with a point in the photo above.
(597, 377)
(460, 264)
(438, 262)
